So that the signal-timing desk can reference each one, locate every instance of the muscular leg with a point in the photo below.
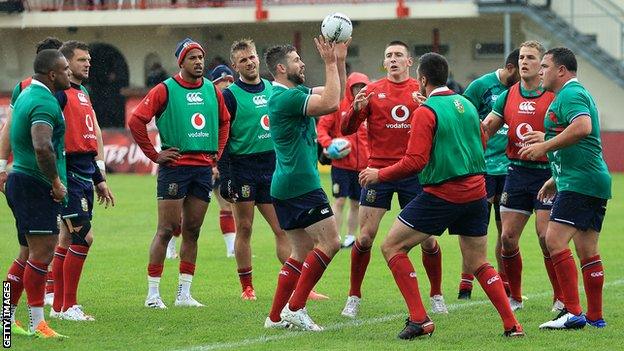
(432, 261)
(352, 219)
(282, 246)
(369, 218)
(15, 277)
(541, 226)
(586, 244)
(40, 252)
(338, 208)
(513, 224)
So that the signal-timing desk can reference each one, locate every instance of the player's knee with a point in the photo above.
(82, 227)
(509, 241)
(365, 239)
(191, 232)
(243, 228)
(388, 250)
(165, 232)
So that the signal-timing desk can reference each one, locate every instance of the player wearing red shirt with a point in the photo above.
(193, 124)
(344, 171)
(386, 105)
(523, 108)
(446, 150)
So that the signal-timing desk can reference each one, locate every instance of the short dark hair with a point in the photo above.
(562, 56)
(399, 42)
(46, 60)
(240, 45)
(276, 55)
(49, 43)
(512, 58)
(68, 48)
(434, 67)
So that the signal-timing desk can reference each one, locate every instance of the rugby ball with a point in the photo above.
(337, 27)
(338, 148)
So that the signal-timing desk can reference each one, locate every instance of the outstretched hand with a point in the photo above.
(326, 49)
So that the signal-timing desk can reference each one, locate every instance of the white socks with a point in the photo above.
(229, 243)
(36, 316)
(184, 287)
(152, 284)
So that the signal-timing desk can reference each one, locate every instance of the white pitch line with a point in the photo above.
(352, 323)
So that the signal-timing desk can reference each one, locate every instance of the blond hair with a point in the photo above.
(534, 44)
(241, 45)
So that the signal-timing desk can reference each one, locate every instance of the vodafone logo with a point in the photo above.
(400, 113)
(83, 98)
(194, 98)
(527, 107)
(522, 129)
(259, 100)
(198, 121)
(89, 122)
(264, 122)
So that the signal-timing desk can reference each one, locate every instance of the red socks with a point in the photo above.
(360, 257)
(226, 221)
(57, 273)
(15, 277)
(286, 282)
(432, 261)
(552, 275)
(34, 282)
(72, 269)
(492, 284)
(185, 268)
(568, 280)
(512, 260)
(405, 278)
(155, 270)
(466, 281)
(593, 280)
(244, 275)
(313, 268)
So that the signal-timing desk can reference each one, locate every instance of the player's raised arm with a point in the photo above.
(328, 101)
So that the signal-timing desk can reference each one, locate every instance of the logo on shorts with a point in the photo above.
(371, 195)
(336, 188)
(503, 199)
(84, 204)
(325, 211)
(198, 121)
(172, 190)
(245, 191)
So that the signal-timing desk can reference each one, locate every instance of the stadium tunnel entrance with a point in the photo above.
(109, 74)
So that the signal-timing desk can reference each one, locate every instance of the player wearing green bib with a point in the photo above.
(522, 108)
(193, 125)
(582, 185)
(445, 149)
(251, 158)
(483, 93)
(300, 203)
(37, 184)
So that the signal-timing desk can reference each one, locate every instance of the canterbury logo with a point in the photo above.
(325, 211)
(259, 100)
(412, 274)
(83, 98)
(493, 279)
(13, 277)
(527, 107)
(597, 274)
(283, 272)
(194, 98)
(400, 113)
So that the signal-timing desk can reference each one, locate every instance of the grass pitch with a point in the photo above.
(113, 288)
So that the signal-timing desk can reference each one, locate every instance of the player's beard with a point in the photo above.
(295, 78)
(249, 76)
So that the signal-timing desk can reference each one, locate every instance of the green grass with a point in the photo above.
(113, 289)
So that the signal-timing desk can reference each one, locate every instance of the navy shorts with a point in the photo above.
(35, 212)
(579, 210)
(302, 211)
(432, 215)
(494, 185)
(80, 198)
(345, 183)
(380, 195)
(176, 183)
(251, 177)
(521, 188)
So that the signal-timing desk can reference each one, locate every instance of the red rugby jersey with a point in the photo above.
(388, 115)
(80, 122)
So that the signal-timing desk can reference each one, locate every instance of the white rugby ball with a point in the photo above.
(337, 27)
(339, 148)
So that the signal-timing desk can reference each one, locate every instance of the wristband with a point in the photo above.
(3, 165)
(101, 165)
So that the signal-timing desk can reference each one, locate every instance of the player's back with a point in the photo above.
(389, 119)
